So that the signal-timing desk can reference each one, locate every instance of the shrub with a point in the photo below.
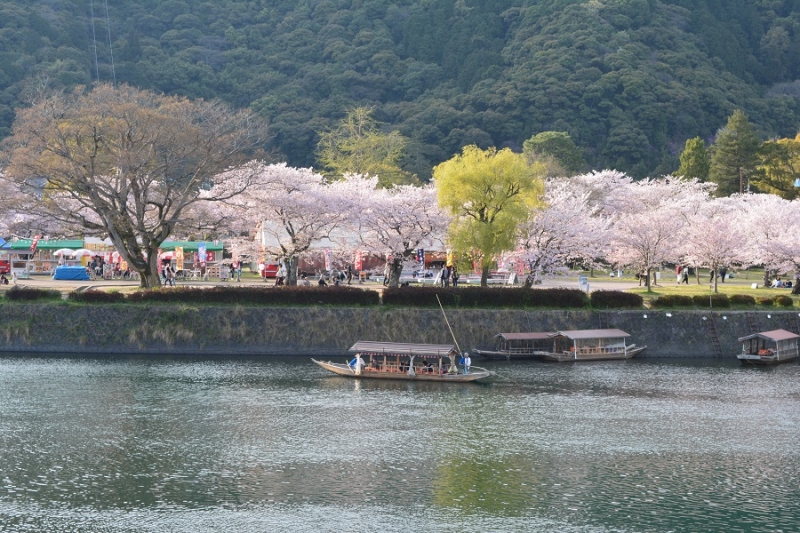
(101, 297)
(17, 293)
(484, 297)
(742, 299)
(783, 300)
(296, 295)
(673, 300)
(765, 301)
(618, 299)
(714, 300)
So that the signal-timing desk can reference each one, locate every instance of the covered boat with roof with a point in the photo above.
(591, 345)
(769, 347)
(406, 361)
(528, 345)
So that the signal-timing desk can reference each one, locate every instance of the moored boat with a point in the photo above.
(591, 345)
(508, 346)
(405, 361)
(769, 347)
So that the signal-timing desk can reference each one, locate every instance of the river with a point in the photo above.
(275, 444)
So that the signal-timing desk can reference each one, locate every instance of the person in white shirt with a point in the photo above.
(467, 362)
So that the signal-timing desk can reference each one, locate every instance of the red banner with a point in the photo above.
(359, 261)
(35, 243)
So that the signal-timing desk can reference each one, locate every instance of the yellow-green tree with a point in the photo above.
(358, 145)
(489, 193)
(779, 167)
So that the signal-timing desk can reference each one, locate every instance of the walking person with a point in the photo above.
(280, 276)
(349, 274)
(454, 275)
(387, 271)
(446, 276)
(685, 275)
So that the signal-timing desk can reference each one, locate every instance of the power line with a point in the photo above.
(110, 49)
(94, 40)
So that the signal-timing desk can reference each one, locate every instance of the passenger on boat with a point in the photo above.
(427, 367)
(357, 364)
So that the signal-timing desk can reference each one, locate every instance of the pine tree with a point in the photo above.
(733, 158)
(695, 162)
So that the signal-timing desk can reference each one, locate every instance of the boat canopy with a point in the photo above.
(404, 348)
(580, 334)
(531, 336)
(775, 335)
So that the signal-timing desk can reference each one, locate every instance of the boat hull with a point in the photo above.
(501, 355)
(608, 356)
(764, 360)
(341, 369)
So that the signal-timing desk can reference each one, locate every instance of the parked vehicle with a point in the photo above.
(270, 270)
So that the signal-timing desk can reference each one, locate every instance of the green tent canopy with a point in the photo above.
(190, 246)
(25, 244)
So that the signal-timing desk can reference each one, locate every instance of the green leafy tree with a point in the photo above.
(734, 155)
(695, 162)
(557, 151)
(490, 193)
(779, 167)
(357, 145)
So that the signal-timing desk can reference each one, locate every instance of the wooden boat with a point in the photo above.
(769, 347)
(510, 346)
(406, 361)
(591, 345)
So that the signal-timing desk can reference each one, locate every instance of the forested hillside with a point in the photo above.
(629, 80)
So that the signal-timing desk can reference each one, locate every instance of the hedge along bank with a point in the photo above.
(103, 329)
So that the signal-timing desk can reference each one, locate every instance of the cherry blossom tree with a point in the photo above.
(397, 221)
(771, 224)
(294, 207)
(715, 236)
(650, 224)
(567, 229)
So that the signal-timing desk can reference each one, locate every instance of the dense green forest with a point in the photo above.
(629, 80)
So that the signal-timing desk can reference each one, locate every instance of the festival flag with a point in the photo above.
(35, 243)
(449, 258)
(179, 258)
(421, 256)
(359, 261)
(327, 258)
(201, 252)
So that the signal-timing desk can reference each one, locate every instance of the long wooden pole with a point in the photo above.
(448, 324)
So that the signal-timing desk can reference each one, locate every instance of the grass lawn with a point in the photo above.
(730, 287)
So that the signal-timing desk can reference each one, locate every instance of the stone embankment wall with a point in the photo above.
(331, 331)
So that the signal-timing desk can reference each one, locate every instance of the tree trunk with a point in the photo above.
(291, 270)
(766, 277)
(796, 288)
(716, 280)
(485, 276)
(394, 272)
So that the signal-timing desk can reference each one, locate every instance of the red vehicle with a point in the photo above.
(5, 266)
(270, 270)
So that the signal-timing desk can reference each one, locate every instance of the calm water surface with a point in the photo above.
(252, 445)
